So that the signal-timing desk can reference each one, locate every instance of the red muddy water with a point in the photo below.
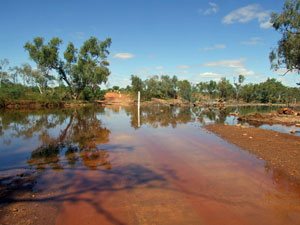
(99, 167)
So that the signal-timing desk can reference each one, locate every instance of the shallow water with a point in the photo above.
(210, 116)
(100, 166)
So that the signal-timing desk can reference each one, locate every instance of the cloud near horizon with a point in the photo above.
(237, 65)
(123, 55)
(159, 67)
(253, 41)
(214, 47)
(211, 75)
(183, 67)
(247, 14)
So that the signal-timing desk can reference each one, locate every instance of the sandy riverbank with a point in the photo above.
(282, 151)
(271, 118)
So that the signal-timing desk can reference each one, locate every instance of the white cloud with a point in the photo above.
(212, 9)
(253, 41)
(183, 67)
(184, 71)
(214, 47)
(244, 71)
(266, 25)
(247, 14)
(211, 75)
(159, 68)
(123, 55)
(237, 65)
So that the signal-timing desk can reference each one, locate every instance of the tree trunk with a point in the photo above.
(40, 90)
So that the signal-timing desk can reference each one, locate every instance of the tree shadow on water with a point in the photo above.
(111, 181)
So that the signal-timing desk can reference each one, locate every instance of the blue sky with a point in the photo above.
(196, 40)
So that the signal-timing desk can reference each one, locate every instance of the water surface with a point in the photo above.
(103, 166)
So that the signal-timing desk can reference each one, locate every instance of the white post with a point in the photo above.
(139, 105)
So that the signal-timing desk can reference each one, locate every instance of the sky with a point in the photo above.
(197, 40)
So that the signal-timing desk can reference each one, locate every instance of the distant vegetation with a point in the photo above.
(165, 87)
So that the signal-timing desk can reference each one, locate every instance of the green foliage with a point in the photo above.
(10, 91)
(238, 85)
(34, 77)
(225, 89)
(115, 88)
(79, 69)
(270, 91)
(248, 93)
(208, 88)
(185, 90)
(89, 94)
(136, 84)
(169, 86)
(288, 24)
(3, 73)
(153, 88)
(163, 87)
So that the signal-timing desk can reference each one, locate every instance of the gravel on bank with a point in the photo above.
(282, 151)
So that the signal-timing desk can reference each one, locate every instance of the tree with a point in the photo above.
(249, 92)
(3, 73)
(34, 77)
(225, 88)
(137, 84)
(174, 82)
(168, 86)
(115, 88)
(79, 69)
(153, 88)
(185, 89)
(270, 91)
(287, 54)
(238, 85)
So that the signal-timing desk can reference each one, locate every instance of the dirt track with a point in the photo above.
(115, 98)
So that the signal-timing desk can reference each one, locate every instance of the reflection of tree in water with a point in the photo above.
(159, 116)
(219, 115)
(25, 123)
(78, 142)
(212, 114)
(59, 156)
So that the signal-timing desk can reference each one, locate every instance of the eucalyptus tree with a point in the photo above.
(238, 85)
(287, 53)
(185, 89)
(82, 68)
(34, 77)
(225, 88)
(136, 84)
(3, 72)
(153, 87)
(168, 86)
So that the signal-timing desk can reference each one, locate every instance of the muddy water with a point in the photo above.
(98, 166)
